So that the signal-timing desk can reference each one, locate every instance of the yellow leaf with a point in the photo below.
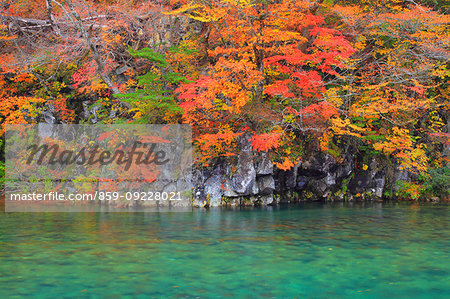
(182, 9)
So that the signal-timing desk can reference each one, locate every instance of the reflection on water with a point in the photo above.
(310, 250)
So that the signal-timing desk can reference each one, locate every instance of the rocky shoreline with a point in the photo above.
(253, 180)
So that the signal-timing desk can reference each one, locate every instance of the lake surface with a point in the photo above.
(305, 251)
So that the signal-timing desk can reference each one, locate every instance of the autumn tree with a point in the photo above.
(153, 100)
(397, 91)
(269, 64)
(81, 45)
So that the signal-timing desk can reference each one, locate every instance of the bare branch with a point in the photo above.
(95, 54)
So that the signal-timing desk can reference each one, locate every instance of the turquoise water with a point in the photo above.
(305, 251)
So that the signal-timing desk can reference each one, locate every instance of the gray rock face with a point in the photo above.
(49, 118)
(318, 165)
(379, 187)
(228, 190)
(266, 185)
(90, 113)
(263, 200)
(253, 179)
(207, 187)
(401, 175)
(94, 111)
(244, 178)
(263, 165)
(359, 183)
(230, 181)
(369, 181)
(213, 190)
(285, 180)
